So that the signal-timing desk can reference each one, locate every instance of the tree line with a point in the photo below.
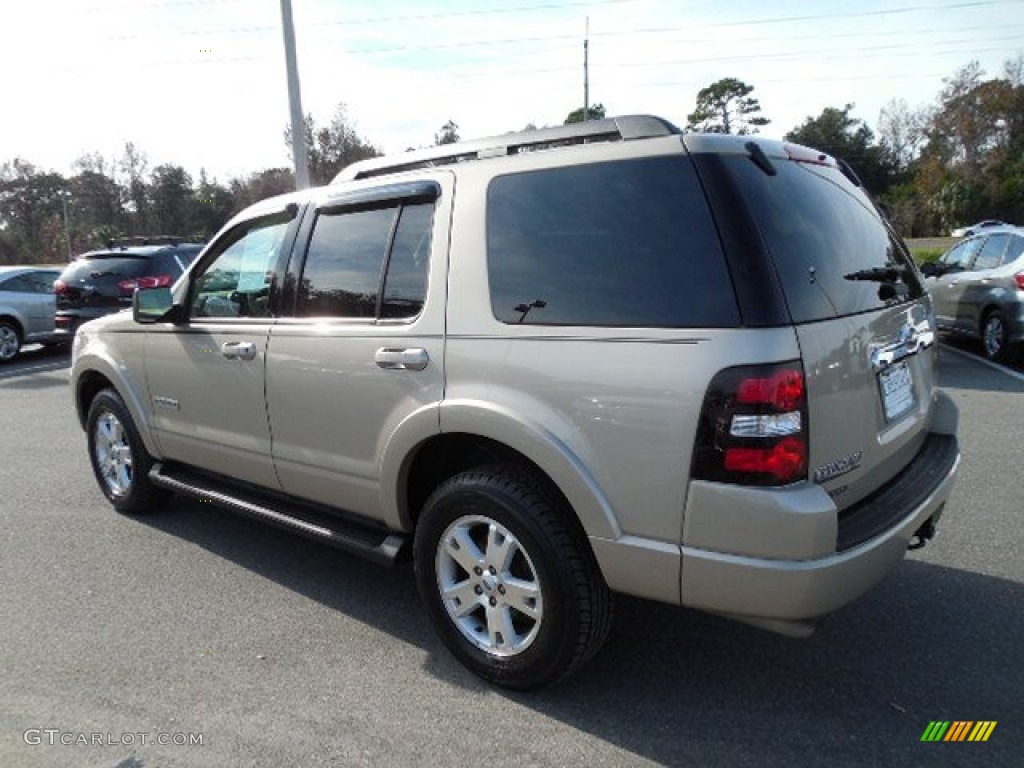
(956, 161)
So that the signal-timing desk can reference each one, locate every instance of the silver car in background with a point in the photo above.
(978, 290)
(26, 308)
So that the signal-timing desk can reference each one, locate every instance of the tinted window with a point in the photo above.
(105, 266)
(615, 244)
(819, 228)
(991, 254)
(1015, 249)
(405, 287)
(349, 255)
(17, 284)
(237, 282)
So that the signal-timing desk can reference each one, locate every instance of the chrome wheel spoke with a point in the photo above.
(523, 596)
(500, 631)
(113, 454)
(462, 598)
(463, 550)
(501, 548)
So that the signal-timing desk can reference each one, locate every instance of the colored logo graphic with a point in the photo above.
(958, 730)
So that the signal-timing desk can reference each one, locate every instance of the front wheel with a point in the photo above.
(508, 578)
(119, 458)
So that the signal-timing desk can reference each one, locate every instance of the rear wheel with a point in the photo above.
(510, 583)
(10, 341)
(995, 337)
(119, 458)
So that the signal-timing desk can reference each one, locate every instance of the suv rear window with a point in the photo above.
(818, 227)
(101, 265)
(628, 243)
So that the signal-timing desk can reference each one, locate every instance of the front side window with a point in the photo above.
(627, 243)
(237, 282)
(960, 257)
(367, 263)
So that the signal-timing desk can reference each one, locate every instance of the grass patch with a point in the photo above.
(924, 255)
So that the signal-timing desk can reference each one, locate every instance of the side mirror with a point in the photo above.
(931, 269)
(155, 305)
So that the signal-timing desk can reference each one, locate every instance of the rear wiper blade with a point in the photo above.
(890, 274)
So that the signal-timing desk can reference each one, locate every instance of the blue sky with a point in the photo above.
(201, 82)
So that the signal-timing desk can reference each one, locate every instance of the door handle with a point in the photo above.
(414, 359)
(238, 350)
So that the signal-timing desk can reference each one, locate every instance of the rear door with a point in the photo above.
(862, 318)
(363, 349)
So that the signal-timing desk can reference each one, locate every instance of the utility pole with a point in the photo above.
(64, 195)
(294, 98)
(586, 73)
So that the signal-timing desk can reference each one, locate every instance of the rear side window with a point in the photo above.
(629, 243)
(1014, 250)
(820, 230)
(367, 263)
(991, 254)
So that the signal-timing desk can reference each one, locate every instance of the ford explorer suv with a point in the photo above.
(550, 367)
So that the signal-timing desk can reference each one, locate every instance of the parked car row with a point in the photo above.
(46, 305)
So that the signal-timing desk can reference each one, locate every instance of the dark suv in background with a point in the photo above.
(100, 282)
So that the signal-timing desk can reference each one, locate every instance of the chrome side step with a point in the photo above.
(364, 539)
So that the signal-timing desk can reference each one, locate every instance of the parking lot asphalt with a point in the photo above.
(278, 651)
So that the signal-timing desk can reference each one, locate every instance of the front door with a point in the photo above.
(206, 377)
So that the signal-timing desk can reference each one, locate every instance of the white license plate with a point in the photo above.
(897, 388)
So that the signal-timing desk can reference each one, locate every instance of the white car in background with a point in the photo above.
(973, 229)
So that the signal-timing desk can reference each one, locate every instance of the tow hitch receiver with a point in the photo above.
(923, 534)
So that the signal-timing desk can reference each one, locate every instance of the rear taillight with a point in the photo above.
(1019, 278)
(61, 288)
(753, 426)
(127, 287)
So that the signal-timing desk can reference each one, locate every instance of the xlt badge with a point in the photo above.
(838, 467)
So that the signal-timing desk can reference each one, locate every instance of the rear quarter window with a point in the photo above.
(627, 243)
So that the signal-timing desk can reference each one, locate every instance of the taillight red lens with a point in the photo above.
(753, 426)
(1019, 278)
(784, 391)
(786, 461)
(127, 287)
(60, 287)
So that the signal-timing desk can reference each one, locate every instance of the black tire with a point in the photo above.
(119, 458)
(995, 340)
(10, 341)
(538, 553)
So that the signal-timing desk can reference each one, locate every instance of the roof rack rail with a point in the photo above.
(624, 128)
(134, 240)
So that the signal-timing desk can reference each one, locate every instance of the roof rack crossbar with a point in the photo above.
(625, 128)
(132, 240)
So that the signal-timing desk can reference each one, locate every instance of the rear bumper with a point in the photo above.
(789, 589)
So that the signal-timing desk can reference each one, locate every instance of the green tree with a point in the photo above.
(726, 106)
(593, 112)
(261, 185)
(171, 198)
(213, 205)
(449, 134)
(30, 214)
(841, 135)
(331, 148)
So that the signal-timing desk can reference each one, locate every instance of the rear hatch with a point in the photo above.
(108, 280)
(862, 318)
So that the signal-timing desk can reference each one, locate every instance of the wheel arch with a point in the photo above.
(91, 381)
(473, 434)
